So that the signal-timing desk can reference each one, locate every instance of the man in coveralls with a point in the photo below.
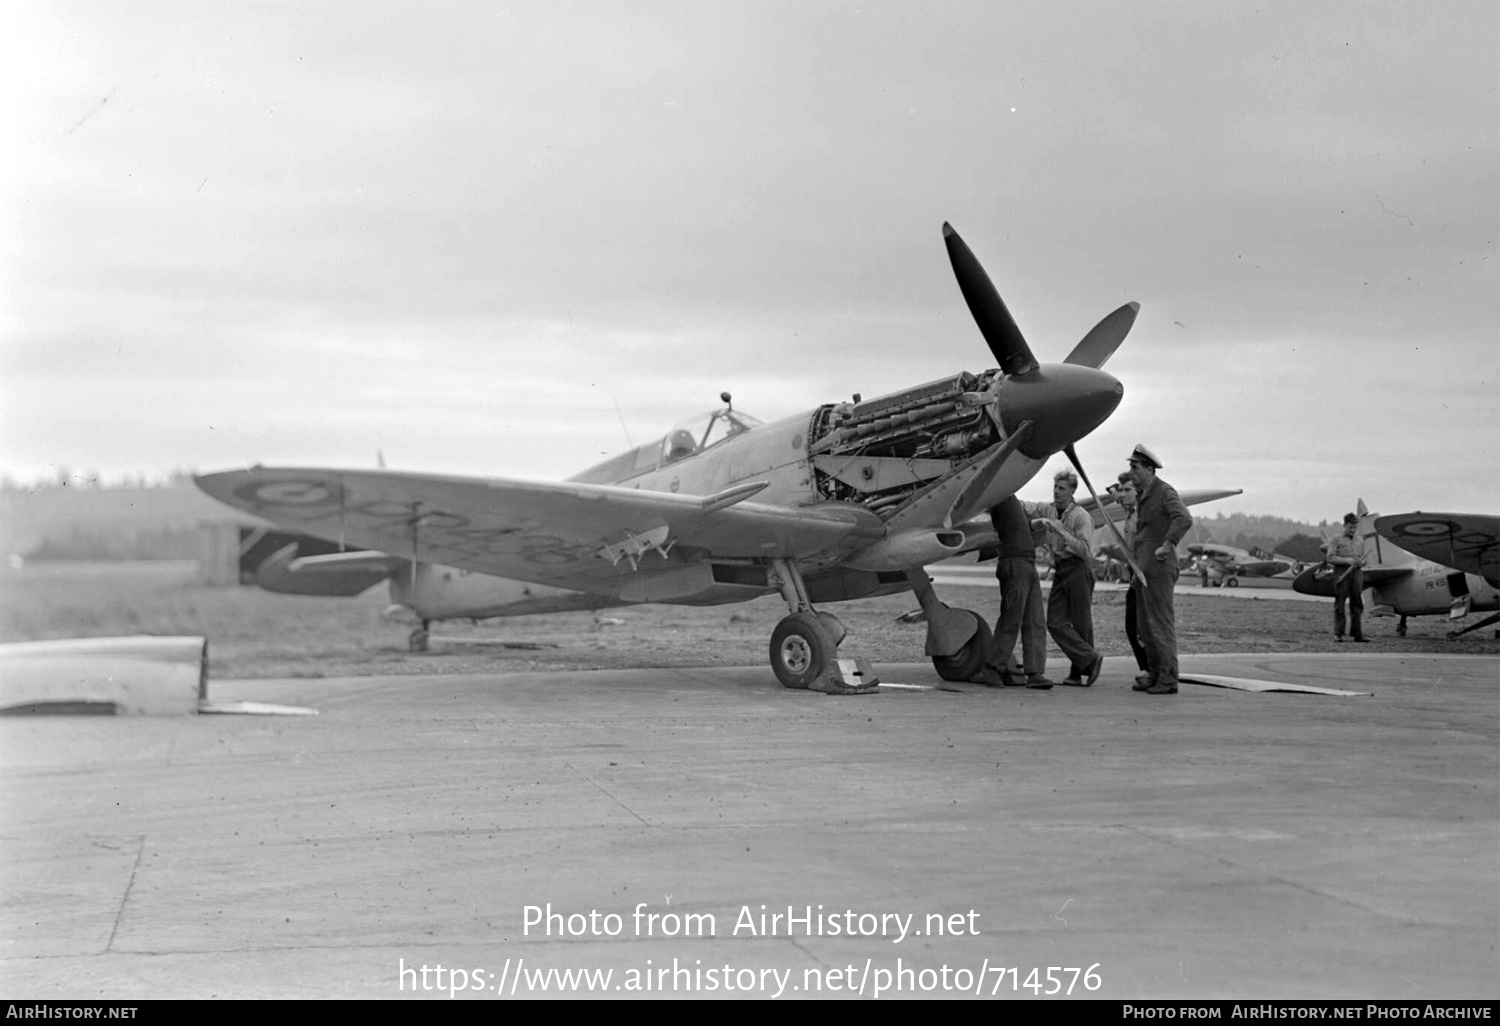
(1021, 608)
(1161, 522)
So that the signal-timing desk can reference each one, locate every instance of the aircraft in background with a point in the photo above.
(1110, 555)
(848, 500)
(1227, 564)
(1424, 564)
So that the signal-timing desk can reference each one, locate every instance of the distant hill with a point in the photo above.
(1249, 531)
(65, 522)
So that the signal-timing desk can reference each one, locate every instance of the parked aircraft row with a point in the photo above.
(848, 500)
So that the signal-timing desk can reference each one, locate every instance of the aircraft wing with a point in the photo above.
(1469, 542)
(1263, 567)
(1189, 497)
(337, 574)
(586, 537)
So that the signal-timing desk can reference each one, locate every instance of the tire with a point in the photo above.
(967, 662)
(801, 650)
(1231, 582)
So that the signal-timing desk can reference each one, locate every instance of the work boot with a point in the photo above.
(1143, 682)
(1037, 682)
(1162, 688)
(1096, 669)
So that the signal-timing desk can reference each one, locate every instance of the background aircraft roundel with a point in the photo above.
(1464, 541)
(847, 500)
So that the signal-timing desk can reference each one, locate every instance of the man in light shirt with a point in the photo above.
(1070, 613)
(1346, 554)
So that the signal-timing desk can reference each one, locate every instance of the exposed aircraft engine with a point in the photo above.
(878, 451)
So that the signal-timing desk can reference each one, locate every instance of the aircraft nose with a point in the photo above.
(1064, 402)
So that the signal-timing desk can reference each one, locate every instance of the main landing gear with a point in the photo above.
(417, 640)
(958, 640)
(804, 646)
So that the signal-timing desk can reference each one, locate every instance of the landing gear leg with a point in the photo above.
(804, 646)
(417, 642)
(1401, 627)
(958, 640)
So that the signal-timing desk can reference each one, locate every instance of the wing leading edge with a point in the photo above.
(596, 538)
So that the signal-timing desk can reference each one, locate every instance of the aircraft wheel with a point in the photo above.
(418, 640)
(801, 650)
(1232, 582)
(966, 663)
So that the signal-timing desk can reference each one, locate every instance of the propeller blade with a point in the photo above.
(1105, 337)
(967, 503)
(1078, 466)
(1012, 354)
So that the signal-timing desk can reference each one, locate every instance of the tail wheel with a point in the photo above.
(966, 663)
(1231, 582)
(801, 650)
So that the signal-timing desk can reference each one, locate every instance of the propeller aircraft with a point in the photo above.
(1424, 564)
(848, 500)
(1229, 563)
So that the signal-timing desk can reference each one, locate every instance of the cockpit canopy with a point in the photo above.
(704, 432)
(691, 436)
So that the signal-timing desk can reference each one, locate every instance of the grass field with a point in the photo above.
(256, 634)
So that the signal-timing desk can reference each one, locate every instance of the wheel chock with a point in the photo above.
(847, 677)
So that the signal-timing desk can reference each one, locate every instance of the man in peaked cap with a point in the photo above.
(1346, 554)
(1161, 522)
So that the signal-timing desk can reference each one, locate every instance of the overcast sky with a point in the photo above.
(502, 239)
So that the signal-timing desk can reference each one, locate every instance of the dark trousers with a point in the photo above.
(1021, 613)
(1070, 614)
(1158, 620)
(1133, 630)
(1350, 588)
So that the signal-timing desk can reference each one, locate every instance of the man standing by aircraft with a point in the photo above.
(1161, 522)
(1021, 609)
(1070, 612)
(1346, 554)
(1129, 501)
